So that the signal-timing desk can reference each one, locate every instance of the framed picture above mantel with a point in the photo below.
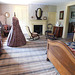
(61, 15)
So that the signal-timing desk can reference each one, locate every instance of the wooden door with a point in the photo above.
(52, 18)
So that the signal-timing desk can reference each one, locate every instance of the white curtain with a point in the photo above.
(2, 19)
(22, 15)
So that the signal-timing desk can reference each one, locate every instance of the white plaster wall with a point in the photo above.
(2, 17)
(7, 8)
(60, 8)
(21, 13)
(0, 9)
(45, 9)
(24, 13)
(52, 8)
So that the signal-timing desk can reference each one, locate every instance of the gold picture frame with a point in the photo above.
(61, 15)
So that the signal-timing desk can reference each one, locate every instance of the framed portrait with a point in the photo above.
(61, 15)
(73, 14)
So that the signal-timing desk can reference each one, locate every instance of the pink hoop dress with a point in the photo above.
(16, 37)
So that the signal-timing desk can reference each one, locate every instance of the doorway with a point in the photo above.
(71, 23)
(66, 20)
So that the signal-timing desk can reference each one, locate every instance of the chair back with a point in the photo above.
(49, 27)
(28, 29)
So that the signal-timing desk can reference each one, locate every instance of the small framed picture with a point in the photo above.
(61, 15)
(73, 14)
(44, 18)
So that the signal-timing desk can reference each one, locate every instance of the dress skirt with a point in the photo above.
(16, 37)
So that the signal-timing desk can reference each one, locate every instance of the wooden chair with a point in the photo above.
(6, 30)
(51, 35)
(33, 35)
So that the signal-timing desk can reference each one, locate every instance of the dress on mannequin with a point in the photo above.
(16, 37)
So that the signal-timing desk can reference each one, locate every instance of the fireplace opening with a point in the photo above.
(38, 29)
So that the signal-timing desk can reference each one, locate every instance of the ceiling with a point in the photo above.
(25, 2)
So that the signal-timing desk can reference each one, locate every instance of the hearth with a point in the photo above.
(38, 28)
(39, 22)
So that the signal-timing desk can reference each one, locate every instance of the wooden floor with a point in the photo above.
(29, 59)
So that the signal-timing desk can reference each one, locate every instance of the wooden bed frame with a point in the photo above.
(61, 56)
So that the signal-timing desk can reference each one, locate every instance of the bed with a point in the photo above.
(62, 57)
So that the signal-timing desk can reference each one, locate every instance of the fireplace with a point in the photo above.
(38, 29)
(39, 22)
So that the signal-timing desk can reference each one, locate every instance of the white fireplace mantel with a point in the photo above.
(39, 22)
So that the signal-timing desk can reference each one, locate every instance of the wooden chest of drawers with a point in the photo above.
(58, 31)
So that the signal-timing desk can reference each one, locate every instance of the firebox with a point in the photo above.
(38, 29)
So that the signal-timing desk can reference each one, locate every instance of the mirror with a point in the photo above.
(7, 15)
(39, 13)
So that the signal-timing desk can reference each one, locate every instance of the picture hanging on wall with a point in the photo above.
(73, 14)
(61, 15)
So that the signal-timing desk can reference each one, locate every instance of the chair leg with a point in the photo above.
(38, 36)
(33, 38)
